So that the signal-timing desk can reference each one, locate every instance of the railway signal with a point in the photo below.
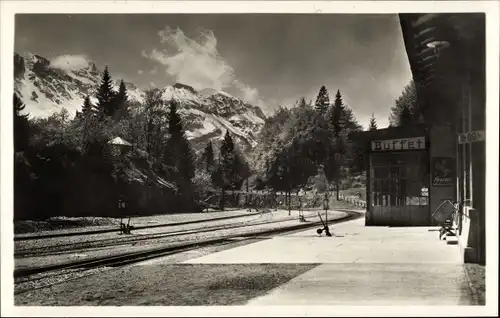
(124, 229)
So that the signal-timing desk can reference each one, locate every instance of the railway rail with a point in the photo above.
(126, 240)
(134, 257)
(29, 237)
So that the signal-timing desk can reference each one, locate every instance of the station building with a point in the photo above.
(413, 169)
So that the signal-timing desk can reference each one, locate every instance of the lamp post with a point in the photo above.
(325, 205)
(339, 150)
(285, 177)
(121, 146)
(289, 189)
(223, 184)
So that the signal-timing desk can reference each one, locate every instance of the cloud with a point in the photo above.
(198, 63)
(152, 84)
(140, 72)
(70, 62)
(249, 94)
(153, 71)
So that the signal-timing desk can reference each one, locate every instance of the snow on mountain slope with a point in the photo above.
(47, 86)
(210, 116)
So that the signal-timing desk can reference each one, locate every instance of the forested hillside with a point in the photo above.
(297, 144)
(116, 149)
(81, 166)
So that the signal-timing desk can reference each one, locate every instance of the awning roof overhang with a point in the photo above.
(443, 50)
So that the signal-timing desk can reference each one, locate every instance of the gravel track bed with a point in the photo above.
(113, 223)
(157, 243)
(43, 280)
(53, 278)
(54, 245)
(168, 285)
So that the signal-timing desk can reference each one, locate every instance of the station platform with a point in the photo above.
(358, 265)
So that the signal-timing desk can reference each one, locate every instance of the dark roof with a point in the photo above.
(416, 130)
(464, 32)
(438, 74)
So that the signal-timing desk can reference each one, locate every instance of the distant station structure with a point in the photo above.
(414, 169)
(398, 178)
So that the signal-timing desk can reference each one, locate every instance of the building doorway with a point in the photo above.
(399, 188)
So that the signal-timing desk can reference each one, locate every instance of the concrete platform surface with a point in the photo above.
(359, 265)
(373, 285)
(352, 242)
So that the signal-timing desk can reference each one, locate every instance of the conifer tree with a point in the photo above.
(155, 125)
(122, 92)
(87, 107)
(222, 175)
(175, 128)
(86, 117)
(337, 148)
(323, 100)
(405, 117)
(337, 114)
(227, 155)
(21, 125)
(105, 95)
(227, 159)
(373, 123)
(233, 169)
(178, 152)
(407, 108)
(302, 103)
(208, 157)
(121, 100)
(227, 146)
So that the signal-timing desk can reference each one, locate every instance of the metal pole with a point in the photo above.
(326, 208)
(246, 195)
(289, 192)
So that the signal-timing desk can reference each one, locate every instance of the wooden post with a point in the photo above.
(246, 195)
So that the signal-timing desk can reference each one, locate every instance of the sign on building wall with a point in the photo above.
(399, 144)
(472, 136)
(443, 171)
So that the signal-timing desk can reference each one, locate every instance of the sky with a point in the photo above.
(265, 59)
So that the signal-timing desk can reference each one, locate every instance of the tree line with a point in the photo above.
(66, 166)
(405, 111)
(307, 143)
(310, 144)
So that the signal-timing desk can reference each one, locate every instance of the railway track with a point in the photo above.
(24, 237)
(125, 240)
(134, 257)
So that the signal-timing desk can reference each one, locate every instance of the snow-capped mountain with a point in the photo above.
(47, 87)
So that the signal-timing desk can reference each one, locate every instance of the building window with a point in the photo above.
(398, 179)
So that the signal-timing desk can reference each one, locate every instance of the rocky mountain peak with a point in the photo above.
(184, 86)
(207, 115)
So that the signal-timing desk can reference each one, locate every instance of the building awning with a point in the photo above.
(443, 50)
(415, 130)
